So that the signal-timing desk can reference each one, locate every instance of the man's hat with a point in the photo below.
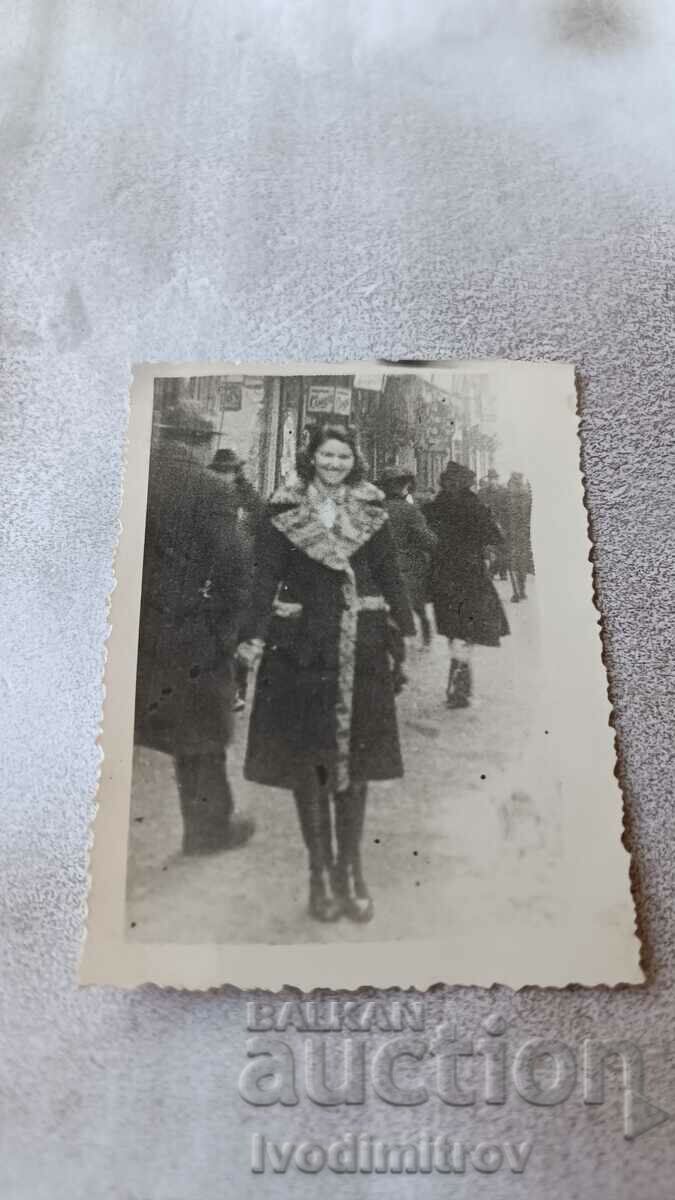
(225, 460)
(458, 473)
(184, 417)
(395, 474)
(492, 474)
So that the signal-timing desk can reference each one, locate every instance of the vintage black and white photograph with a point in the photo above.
(351, 720)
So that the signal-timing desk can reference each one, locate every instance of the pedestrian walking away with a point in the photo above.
(517, 528)
(493, 495)
(413, 539)
(190, 610)
(467, 607)
(328, 615)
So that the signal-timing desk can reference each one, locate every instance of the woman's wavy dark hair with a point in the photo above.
(323, 433)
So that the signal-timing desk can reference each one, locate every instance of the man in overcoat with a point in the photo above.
(190, 610)
(247, 505)
(493, 494)
(244, 508)
(517, 530)
(466, 605)
(413, 539)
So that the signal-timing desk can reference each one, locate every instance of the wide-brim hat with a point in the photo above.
(225, 460)
(183, 417)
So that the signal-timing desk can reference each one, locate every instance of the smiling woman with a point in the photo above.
(332, 462)
(326, 597)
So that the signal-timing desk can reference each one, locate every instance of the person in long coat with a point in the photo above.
(413, 539)
(467, 608)
(328, 605)
(190, 611)
(518, 513)
(243, 507)
(493, 495)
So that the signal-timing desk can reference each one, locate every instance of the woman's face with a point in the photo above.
(333, 462)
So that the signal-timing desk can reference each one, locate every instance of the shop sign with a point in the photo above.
(320, 399)
(343, 401)
(369, 383)
(228, 394)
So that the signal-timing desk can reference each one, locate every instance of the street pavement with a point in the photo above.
(443, 845)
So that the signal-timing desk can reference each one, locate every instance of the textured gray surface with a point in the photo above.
(311, 180)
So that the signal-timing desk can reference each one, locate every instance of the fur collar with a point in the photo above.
(296, 493)
(359, 516)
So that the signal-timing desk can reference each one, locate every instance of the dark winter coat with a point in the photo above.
(493, 496)
(466, 604)
(243, 508)
(240, 500)
(190, 608)
(414, 543)
(324, 694)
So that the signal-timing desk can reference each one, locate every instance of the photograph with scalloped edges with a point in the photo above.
(356, 726)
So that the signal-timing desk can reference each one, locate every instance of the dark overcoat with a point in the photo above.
(493, 496)
(324, 694)
(243, 509)
(190, 608)
(466, 603)
(414, 543)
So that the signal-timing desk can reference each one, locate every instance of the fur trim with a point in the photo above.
(295, 493)
(357, 519)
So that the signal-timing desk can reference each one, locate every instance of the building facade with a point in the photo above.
(403, 420)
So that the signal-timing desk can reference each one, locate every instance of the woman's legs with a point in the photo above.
(519, 565)
(312, 803)
(345, 870)
(348, 880)
(458, 693)
(425, 624)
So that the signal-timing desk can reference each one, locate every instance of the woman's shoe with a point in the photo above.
(459, 685)
(322, 905)
(353, 895)
(450, 689)
(458, 694)
(314, 814)
(362, 906)
(349, 886)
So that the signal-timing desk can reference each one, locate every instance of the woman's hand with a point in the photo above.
(286, 608)
(249, 653)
